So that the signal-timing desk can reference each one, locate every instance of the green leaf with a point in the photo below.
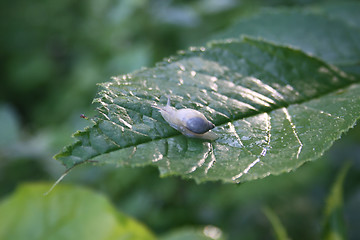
(207, 233)
(347, 11)
(280, 231)
(334, 223)
(274, 107)
(66, 213)
(331, 39)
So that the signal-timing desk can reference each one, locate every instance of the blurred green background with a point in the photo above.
(52, 54)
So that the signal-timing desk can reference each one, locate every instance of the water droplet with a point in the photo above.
(244, 138)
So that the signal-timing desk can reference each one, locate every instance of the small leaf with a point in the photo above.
(334, 223)
(279, 229)
(274, 109)
(67, 213)
(331, 39)
(207, 233)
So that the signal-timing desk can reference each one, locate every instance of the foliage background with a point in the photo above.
(52, 54)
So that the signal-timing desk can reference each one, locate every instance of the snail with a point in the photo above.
(189, 122)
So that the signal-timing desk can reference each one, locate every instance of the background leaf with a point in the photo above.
(339, 40)
(334, 223)
(279, 229)
(66, 213)
(274, 107)
(207, 233)
(347, 11)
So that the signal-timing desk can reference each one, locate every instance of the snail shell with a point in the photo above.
(189, 122)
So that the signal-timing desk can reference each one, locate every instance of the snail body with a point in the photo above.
(189, 122)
